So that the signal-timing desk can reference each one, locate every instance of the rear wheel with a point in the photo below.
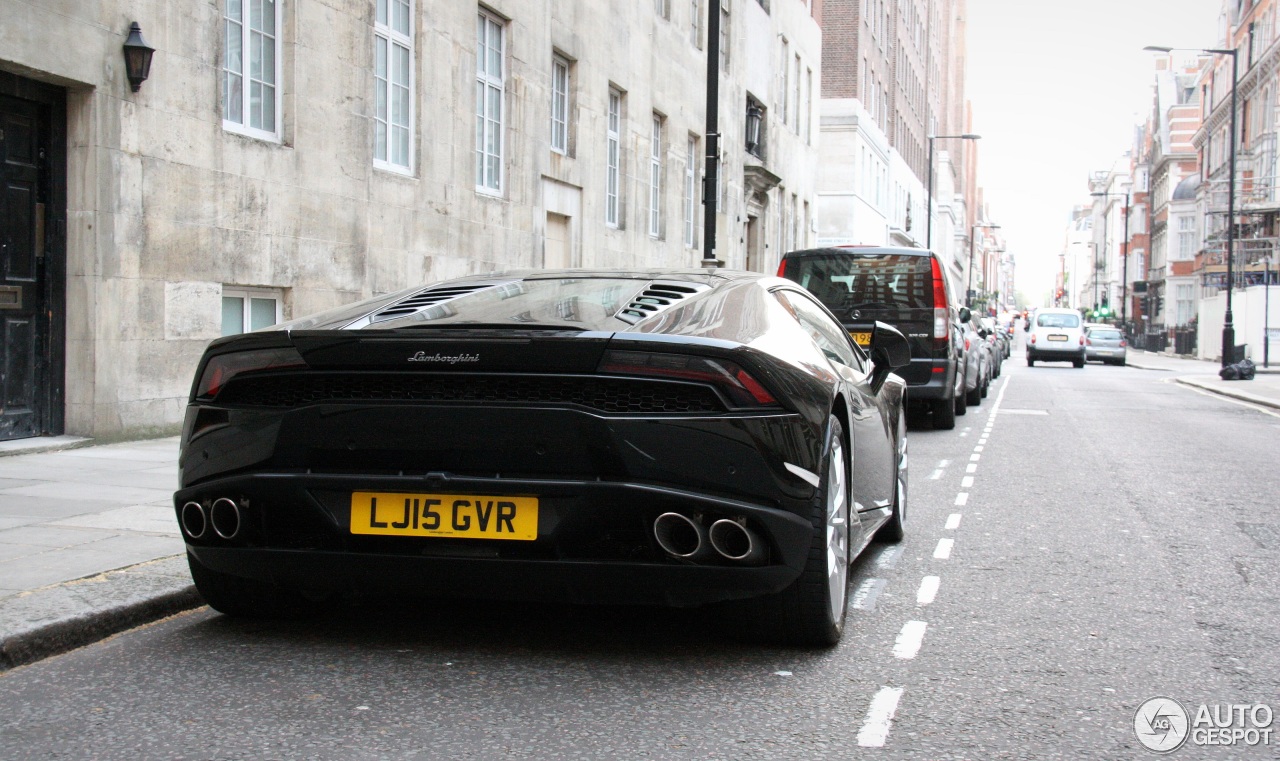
(974, 397)
(944, 414)
(247, 598)
(1078, 363)
(811, 611)
(1030, 362)
(962, 403)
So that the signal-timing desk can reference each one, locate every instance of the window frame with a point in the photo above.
(560, 103)
(655, 175)
(384, 32)
(690, 194)
(489, 85)
(247, 294)
(243, 127)
(613, 160)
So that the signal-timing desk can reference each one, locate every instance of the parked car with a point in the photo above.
(992, 334)
(908, 288)
(977, 364)
(1105, 344)
(1056, 334)
(658, 437)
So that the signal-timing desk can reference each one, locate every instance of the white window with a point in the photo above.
(393, 85)
(1186, 237)
(724, 35)
(783, 84)
(246, 309)
(690, 193)
(490, 93)
(794, 96)
(655, 179)
(251, 69)
(695, 23)
(1186, 304)
(613, 159)
(559, 104)
(662, 8)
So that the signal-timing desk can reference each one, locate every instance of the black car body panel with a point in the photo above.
(530, 385)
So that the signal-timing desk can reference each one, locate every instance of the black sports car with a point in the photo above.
(680, 438)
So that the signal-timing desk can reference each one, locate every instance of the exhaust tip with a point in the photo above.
(224, 514)
(194, 523)
(679, 536)
(736, 542)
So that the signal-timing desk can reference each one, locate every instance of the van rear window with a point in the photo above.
(851, 281)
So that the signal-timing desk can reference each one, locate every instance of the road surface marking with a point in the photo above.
(971, 468)
(944, 549)
(864, 597)
(953, 522)
(875, 730)
(889, 557)
(962, 498)
(975, 457)
(966, 482)
(928, 590)
(935, 475)
(907, 646)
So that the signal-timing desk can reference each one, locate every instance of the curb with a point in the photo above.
(91, 609)
(42, 444)
(1243, 396)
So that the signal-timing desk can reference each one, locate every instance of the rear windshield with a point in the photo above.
(1106, 335)
(846, 280)
(1058, 320)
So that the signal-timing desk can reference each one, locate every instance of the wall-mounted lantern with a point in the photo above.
(137, 57)
(755, 117)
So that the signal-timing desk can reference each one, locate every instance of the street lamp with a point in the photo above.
(968, 295)
(1124, 275)
(1228, 326)
(928, 236)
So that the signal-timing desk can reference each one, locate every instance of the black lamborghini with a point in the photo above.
(675, 437)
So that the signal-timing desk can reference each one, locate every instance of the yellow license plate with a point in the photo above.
(1057, 338)
(862, 339)
(466, 516)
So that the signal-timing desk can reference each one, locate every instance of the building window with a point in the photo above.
(784, 86)
(613, 160)
(1186, 304)
(246, 309)
(662, 8)
(393, 84)
(690, 193)
(695, 23)
(655, 179)
(251, 69)
(490, 92)
(724, 35)
(1186, 237)
(559, 104)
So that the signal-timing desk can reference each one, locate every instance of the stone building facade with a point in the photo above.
(286, 156)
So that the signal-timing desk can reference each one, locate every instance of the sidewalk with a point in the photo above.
(89, 545)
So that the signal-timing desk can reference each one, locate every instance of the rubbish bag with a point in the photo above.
(1242, 370)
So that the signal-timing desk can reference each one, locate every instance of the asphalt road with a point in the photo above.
(1081, 542)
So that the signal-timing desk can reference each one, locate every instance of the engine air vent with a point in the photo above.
(429, 297)
(656, 297)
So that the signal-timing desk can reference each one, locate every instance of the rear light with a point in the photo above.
(941, 316)
(1082, 340)
(966, 344)
(734, 382)
(1088, 342)
(782, 268)
(1123, 343)
(222, 368)
(1033, 338)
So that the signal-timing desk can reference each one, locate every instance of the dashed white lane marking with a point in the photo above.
(864, 597)
(966, 482)
(962, 498)
(979, 447)
(875, 730)
(943, 463)
(943, 550)
(975, 457)
(953, 522)
(971, 468)
(889, 558)
(935, 475)
(928, 590)
(907, 646)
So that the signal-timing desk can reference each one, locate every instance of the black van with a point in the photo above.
(909, 288)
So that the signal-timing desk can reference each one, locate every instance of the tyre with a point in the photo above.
(811, 612)
(974, 397)
(1078, 363)
(986, 388)
(895, 529)
(247, 598)
(962, 403)
(1030, 362)
(944, 414)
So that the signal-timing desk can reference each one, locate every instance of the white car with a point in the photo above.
(1056, 335)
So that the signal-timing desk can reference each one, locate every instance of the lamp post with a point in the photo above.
(1228, 326)
(1124, 275)
(968, 294)
(928, 226)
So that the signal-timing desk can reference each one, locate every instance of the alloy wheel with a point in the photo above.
(837, 532)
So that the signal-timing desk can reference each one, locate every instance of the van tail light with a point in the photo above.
(1123, 343)
(966, 344)
(1082, 340)
(1033, 338)
(782, 268)
(941, 309)
(736, 384)
(221, 369)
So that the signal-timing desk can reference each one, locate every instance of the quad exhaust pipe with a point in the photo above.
(687, 539)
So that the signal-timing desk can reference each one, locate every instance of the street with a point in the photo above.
(1081, 542)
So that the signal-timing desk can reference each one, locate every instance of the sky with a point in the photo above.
(1057, 88)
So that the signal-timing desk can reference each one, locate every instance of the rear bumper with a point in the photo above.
(929, 379)
(1056, 355)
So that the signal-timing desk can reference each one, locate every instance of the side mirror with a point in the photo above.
(889, 351)
(965, 314)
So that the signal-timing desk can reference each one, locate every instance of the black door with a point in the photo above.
(26, 214)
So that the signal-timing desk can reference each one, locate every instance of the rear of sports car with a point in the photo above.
(405, 453)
